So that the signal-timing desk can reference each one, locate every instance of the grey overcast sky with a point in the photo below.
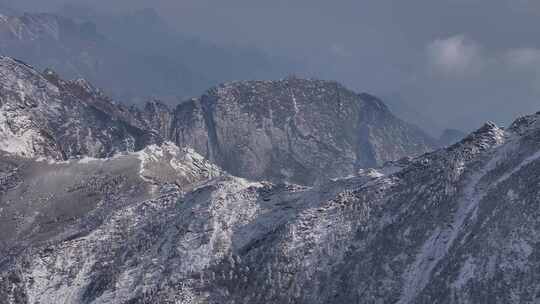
(459, 62)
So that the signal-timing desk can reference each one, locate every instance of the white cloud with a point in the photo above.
(456, 54)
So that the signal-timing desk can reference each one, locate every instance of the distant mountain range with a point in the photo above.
(132, 57)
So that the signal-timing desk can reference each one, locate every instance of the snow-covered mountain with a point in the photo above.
(44, 116)
(304, 131)
(458, 225)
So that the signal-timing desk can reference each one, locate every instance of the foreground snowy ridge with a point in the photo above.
(458, 225)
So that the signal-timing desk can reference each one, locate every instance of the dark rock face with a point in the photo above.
(459, 225)
(158, 117)
(303, 131)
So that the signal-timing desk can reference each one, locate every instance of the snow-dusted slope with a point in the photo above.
(44, 198)
(459, 225)
(44, 116)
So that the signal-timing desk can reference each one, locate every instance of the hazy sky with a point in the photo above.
(460, 62)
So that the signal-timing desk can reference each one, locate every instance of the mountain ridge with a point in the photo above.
(435, 228)
(284, 130)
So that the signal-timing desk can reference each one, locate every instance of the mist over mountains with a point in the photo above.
(133, 57)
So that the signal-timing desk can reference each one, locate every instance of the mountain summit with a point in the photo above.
(44, 116)
(299, 130)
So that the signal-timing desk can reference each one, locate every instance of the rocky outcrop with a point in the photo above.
(458, 225)
(304, 131)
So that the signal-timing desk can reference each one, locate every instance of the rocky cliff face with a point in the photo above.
(303, 131)
(458, 225)
(44, 116)
(298, 130)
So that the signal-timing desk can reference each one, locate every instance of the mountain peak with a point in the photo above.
(300, 130)
(44, 116)
(485, 137)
